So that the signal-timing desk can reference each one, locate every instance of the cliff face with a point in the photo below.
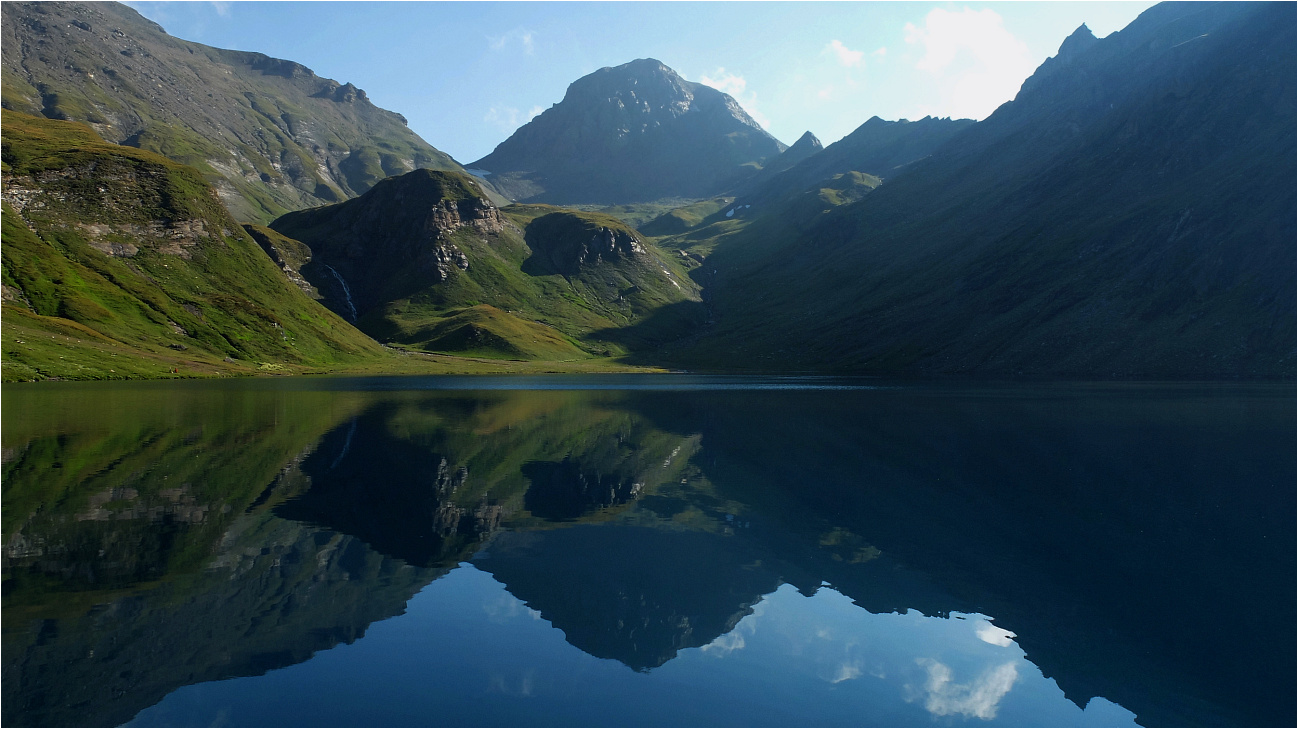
(268, 133)
(635, 132)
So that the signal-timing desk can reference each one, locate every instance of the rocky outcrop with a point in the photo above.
(104, 200)
(406, 226)
(567, 242)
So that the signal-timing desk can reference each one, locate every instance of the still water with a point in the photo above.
(647, 550)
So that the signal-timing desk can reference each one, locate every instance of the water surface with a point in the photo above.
(647, 550)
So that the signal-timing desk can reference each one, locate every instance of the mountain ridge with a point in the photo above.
(270, 134)
(1128, 216)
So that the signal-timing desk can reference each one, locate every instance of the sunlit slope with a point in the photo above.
(425, 261)
(269, 134)
(1129, 214)
(121, 263)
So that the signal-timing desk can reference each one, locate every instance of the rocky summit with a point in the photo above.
(631, 133)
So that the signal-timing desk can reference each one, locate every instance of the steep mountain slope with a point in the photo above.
(119, 262)
(427, 261)
(1130, 213)
(631, 133)
(806, 146)
(268, 133)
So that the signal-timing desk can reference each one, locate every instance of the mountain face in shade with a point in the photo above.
(877, 147)
(1129, 214)
(631, 133)
(269, 134)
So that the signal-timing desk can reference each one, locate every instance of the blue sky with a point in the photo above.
(466, 74)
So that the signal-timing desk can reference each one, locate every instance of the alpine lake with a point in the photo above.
(648, 550)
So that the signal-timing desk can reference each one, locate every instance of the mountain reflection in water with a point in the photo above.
(756, 551)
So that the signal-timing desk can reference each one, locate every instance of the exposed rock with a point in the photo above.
(631, 133)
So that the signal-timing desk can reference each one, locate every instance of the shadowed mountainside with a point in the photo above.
(1129, 214)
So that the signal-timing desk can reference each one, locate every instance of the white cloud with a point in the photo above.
(847, 671)
(736, 86)
(724, 645)
(521, 36)
(995, 635)
(222, 8)
(730, 83)
(978, 64)
(846, 56)
(880, 52)
(509, 118)
(980, 699)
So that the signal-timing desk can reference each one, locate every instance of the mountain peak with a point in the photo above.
(631, 133)
(1075, 44)
(807, 141)
(1073, 47)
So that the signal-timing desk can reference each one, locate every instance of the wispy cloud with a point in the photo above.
(977, 62)
(520, 36)
(980, 698)
(222, 8)
(736, 86)
(844, 55)
(509, 118)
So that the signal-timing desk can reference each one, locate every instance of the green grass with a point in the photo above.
(134, 256)
(522, 296)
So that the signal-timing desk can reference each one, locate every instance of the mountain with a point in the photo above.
(631, 133)
(806, 146)
(425, 260)
(878, 147)
(268, 133)
(1129, 214)
(121, 263)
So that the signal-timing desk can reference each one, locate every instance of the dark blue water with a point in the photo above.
(630, 550)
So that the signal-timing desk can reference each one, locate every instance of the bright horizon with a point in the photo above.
(467, 74)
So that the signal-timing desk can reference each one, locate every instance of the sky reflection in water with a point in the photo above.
(495, 661)
(675, 551)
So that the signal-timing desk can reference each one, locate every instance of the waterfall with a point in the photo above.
(346, 291)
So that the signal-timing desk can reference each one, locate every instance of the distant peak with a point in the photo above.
(808, 140)
(645, 65)
(1079, 41)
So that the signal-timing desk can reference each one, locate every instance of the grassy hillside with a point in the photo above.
(269, 134)
(425, 261)
(120, 263)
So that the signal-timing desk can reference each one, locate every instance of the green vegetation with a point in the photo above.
(121, 263)
(680, 219)
(429, 264)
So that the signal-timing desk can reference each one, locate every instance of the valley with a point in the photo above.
(177, 210)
